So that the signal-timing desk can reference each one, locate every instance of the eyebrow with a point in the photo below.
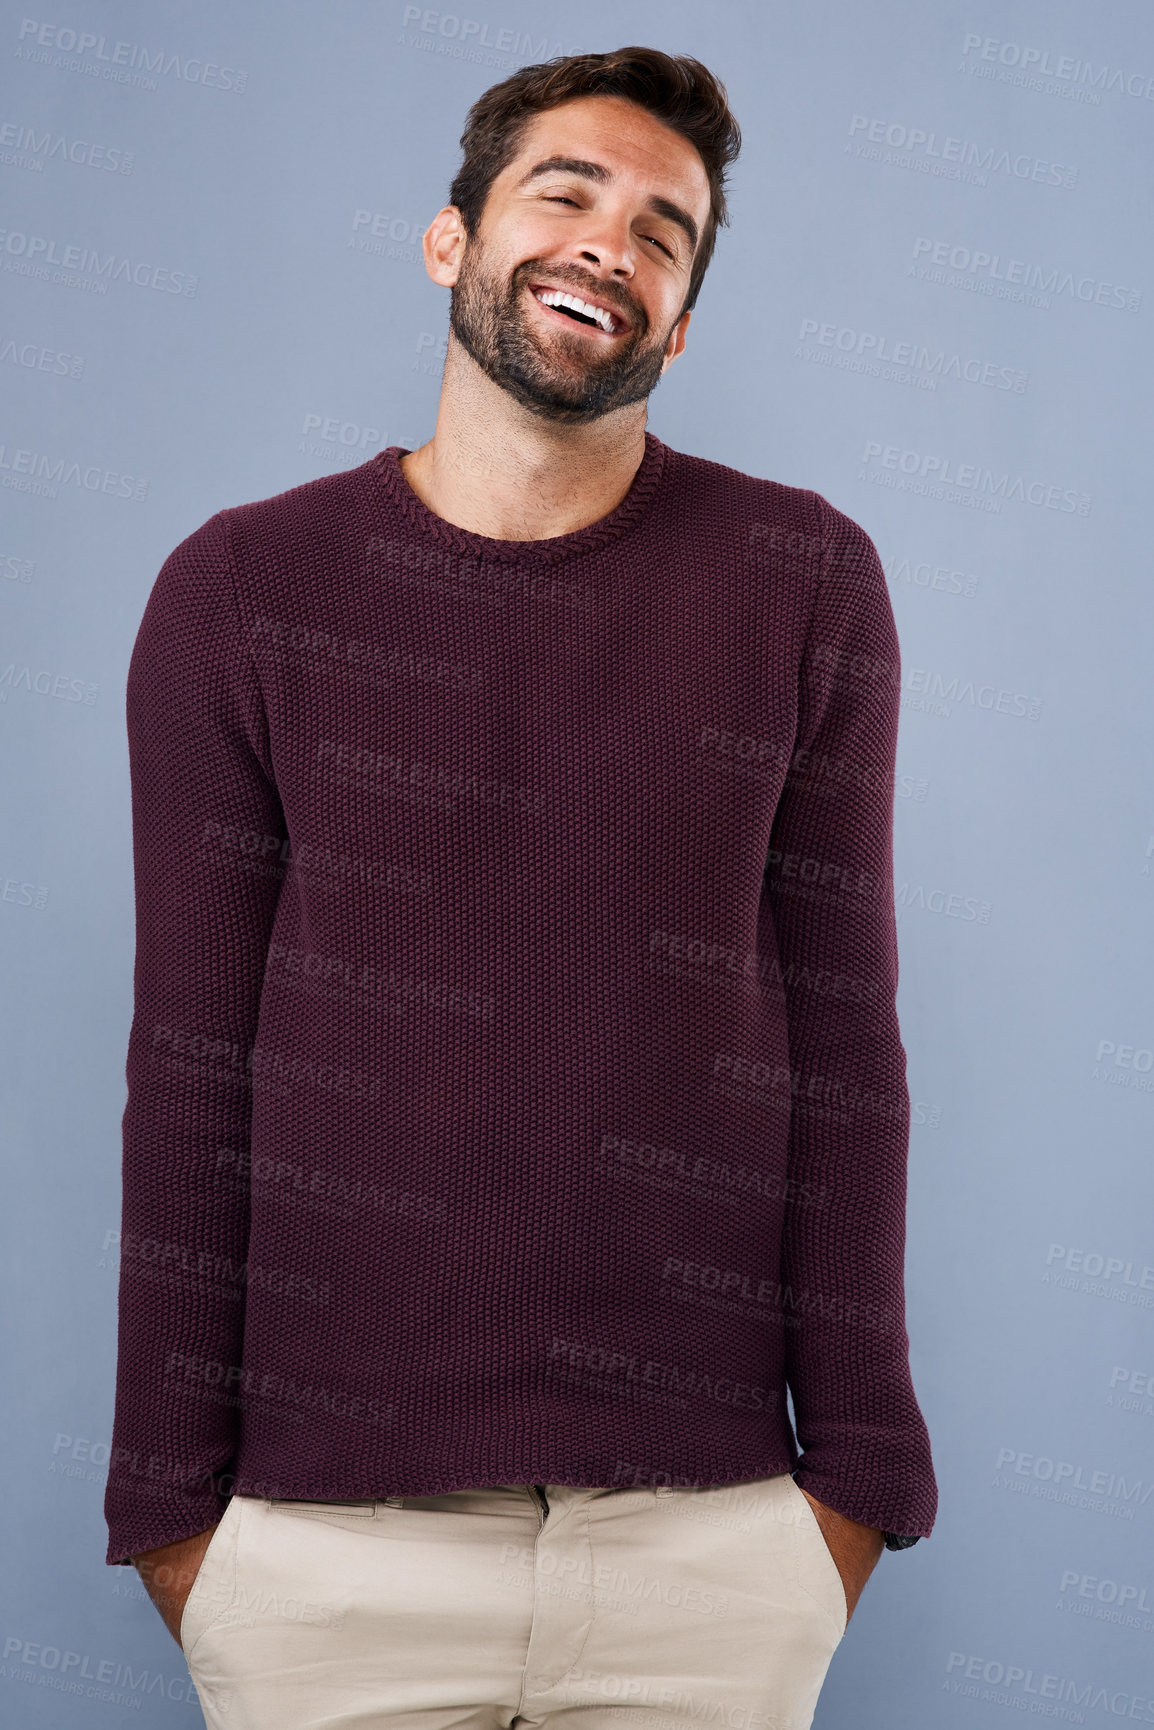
(598, 172)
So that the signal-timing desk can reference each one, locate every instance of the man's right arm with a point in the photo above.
(168, 1573)
(206, 817)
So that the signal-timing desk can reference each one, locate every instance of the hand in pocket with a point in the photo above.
(855, 1548)
(169, 1574)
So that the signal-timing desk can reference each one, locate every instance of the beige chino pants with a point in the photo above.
(517, 1605)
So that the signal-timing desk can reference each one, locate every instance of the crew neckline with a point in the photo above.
(551, 549)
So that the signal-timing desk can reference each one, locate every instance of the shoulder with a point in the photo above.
(314, 512)
(775, 517)
(846, 545)
(782, 521)
(276, 548)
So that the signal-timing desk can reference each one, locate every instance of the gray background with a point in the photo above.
(258, 195)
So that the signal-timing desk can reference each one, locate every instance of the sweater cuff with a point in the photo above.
(137, 1523)
(910, 1514)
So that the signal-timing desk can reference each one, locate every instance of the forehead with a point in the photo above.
(637, 148)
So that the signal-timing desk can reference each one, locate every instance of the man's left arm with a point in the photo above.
(829, 877)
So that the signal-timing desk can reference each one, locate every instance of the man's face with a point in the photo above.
(608, 234)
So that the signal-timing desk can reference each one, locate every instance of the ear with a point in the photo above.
(443, 245)
(676, 341)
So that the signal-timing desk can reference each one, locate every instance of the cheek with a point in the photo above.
(536, 239)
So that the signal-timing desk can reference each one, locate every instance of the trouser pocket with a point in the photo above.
(817, 1572)
(214, 1588)
(323, 1510)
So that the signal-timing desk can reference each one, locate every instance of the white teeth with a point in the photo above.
(554, 297)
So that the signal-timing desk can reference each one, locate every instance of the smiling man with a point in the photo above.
(517, 1120)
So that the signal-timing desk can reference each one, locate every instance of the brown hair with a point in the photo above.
(677, 89)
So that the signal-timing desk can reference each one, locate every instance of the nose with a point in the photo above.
(607, 244)
(603, 255)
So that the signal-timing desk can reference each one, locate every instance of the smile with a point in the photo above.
(573, 309)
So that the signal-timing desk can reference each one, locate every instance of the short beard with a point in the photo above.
(494, 331)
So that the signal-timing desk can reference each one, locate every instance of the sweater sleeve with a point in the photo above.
(207, 833)
(829, 876)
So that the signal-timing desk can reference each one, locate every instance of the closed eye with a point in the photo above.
(559, 198)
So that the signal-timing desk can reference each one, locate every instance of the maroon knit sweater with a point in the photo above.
(515, 1086)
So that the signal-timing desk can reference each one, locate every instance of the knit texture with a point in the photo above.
(515, 1086)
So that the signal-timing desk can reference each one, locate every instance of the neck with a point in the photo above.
(495, 469)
